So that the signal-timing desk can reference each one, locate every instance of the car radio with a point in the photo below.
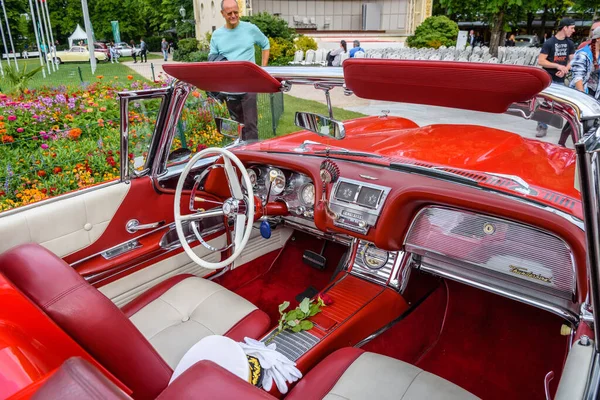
(356, 204)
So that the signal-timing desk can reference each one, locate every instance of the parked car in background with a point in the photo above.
(527, 41)
(125, 50)
(102, 48)
(77, 53)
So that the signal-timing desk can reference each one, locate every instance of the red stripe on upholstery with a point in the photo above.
(254, 325)
(322, 378)
(152, 294)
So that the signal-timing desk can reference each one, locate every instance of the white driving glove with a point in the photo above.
(276, 366)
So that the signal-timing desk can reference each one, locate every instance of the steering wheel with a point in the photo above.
(239, 208)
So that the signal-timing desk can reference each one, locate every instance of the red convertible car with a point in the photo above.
(456, 261)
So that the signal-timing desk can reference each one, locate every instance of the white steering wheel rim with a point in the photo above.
(228, 156)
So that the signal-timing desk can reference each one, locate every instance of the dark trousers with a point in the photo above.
(134, 55)
(143, 57)
(246, 112)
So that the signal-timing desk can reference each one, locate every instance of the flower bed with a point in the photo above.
(54, 141)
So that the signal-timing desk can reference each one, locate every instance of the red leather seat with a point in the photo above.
(107, 333)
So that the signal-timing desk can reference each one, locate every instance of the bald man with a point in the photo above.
(235, 42)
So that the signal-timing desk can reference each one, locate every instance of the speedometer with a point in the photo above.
(276, 179)
(307, 194)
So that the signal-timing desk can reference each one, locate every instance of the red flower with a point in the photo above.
(41, 173)
(57, 170)
(111, 161)
(327, 300)
(131, 156)
(2, 193)
(201, 147)
(44, 190)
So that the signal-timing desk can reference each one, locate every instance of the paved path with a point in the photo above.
(145, 69)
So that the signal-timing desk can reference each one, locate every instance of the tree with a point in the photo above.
(434, 32)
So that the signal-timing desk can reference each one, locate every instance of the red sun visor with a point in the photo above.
(225, 76)
(469, 86)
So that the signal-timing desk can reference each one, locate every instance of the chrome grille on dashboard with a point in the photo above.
(499, 248)
(293, 345)
(381, 275)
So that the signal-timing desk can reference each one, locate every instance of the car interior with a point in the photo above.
(439, 289)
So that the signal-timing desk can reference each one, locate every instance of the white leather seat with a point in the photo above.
(188, 311)
(353, 374)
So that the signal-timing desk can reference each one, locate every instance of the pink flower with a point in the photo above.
(35, 116)
(44, 146)
(12, 118)
(20, 130)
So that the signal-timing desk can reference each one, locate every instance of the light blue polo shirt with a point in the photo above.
(237, 44)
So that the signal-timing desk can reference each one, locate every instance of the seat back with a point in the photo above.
(89, 317)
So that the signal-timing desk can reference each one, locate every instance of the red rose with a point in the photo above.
(327, 300)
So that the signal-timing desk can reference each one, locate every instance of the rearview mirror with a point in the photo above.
(179, 155)
(321, 125)
(229, 128)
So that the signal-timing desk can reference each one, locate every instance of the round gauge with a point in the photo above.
(276, 179)
(374, 258)
(252, 176)
(307, 195)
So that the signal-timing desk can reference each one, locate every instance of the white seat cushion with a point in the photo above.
(187, 312)
(373, 376)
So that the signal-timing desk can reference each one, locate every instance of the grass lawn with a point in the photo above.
(293, 104)
(68, 74)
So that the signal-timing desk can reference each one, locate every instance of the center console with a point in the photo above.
(363, 302)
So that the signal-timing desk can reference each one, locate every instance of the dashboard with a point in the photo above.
(294, 189)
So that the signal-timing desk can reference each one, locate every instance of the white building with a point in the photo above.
(392, 16)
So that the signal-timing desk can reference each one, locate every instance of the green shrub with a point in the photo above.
(282, 51)
(434, 32)
(204, 43)
(153, 42)
(184, 48)
(271, 26)
(197, 56)
(305, 43)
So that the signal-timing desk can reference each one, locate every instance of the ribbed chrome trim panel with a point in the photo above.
(504, 249)
(380, 276)
(293, 345)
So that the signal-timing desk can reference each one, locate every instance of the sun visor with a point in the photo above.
(469, 86)
(225, 76)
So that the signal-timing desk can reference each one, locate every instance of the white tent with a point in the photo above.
(79, 34)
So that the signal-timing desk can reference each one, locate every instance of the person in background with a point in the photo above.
(586, 74)
(133, 51)
(595, 24)
(471, 39)
(356, 48)
(334, 58)
(544, 38)
(25, 53)
(164, 47)
(143, 51)
(235, 42)
(114, 55)
(510, 42)
(555, 57)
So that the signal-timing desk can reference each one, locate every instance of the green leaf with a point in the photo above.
(296, 329)
(314, 310)
(283, 306)
(292, 323)
(306, 325)
(294, 314)
(305, 305)
(280, 326)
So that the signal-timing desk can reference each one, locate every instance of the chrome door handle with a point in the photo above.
(133, 225)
